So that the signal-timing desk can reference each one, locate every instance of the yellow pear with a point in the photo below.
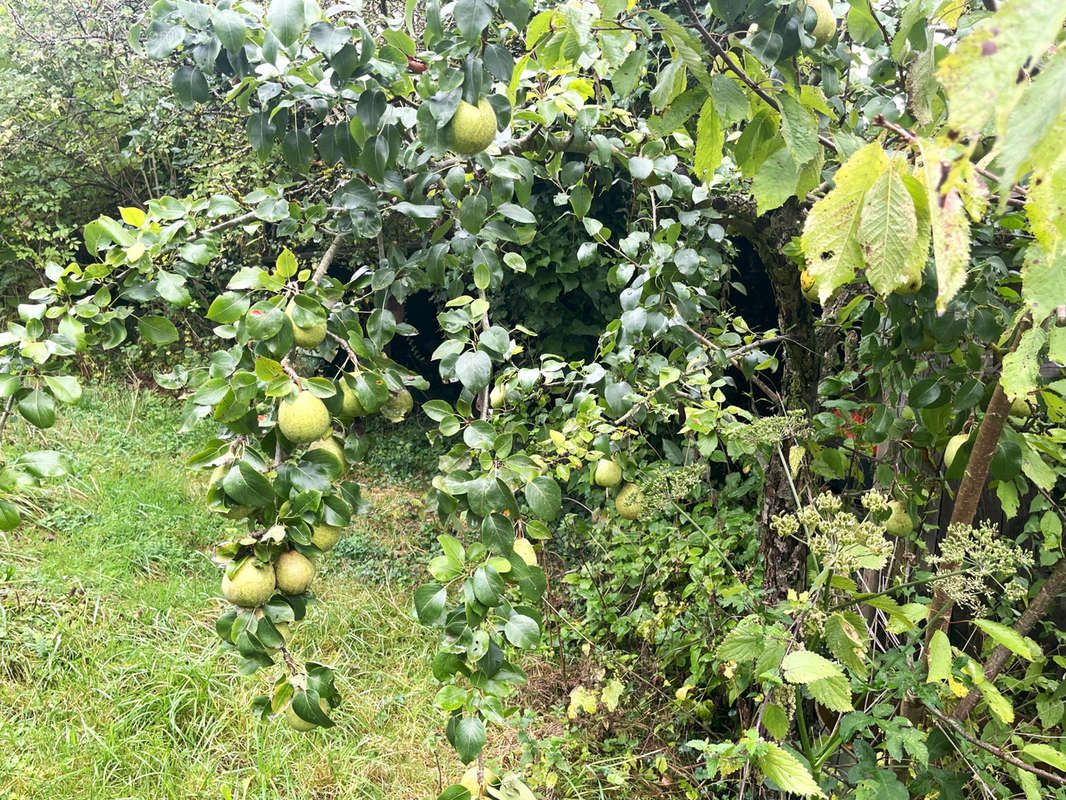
(250, 586)
(333, 446)
(608, 474)
(470, 782)
(350, 405)
(899, 523)
(826, 25)
(473, 127)
(325, 536)
(954, 444)
(630, 502)
(297, 723)
(808, 287)
(909, 287)
(303, 418)
(294, 572)
(305, 337)
(398, 406)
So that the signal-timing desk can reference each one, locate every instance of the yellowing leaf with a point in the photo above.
(710, 139)
(1021, 368)
(1008, 637)
(1043, 280)
(951, 228)
(1036, 751)
(804, 666)
(981, 76)
(939, 658)
(832, 252)
(834, 693)
(888, 230)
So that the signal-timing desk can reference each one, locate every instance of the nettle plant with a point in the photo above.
(429, 155)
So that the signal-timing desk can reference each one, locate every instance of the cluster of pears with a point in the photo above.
(629, 502)
(253, 583)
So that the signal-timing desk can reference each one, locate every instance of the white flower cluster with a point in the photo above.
(983, 558)
(842, 541)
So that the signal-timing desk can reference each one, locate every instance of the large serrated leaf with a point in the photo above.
(804, 666)
(888, 229)
(788, 772)
(832, 252)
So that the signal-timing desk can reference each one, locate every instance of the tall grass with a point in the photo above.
(112, 686)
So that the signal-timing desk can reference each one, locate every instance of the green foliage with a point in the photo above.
(593, 104)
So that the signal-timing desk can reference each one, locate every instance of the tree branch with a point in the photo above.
(327, 258)
(997, 752)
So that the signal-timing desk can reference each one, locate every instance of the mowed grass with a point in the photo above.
(112, 682)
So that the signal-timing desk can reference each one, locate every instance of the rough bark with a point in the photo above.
(784, 559)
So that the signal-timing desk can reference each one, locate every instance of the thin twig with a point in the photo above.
(735, 68)
(997, 752)
(347, 348)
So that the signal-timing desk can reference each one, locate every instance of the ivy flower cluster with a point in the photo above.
(982, 558)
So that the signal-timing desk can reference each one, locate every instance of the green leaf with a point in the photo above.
(804, 666)
(686, 46)
(710, 139)
(834, 692)
(744, 643)
(522, 631)
(472, 17)
(429, 600)
(939, 658)
(544, 497)
(246, 486)
(1036, 751)
(285, 18)
(468, 738)
(230, 29)
(227, 308)
(999, 705)
(848, 641)
(43, 463)
(9, 516)
(776, 721)
(887, 232)
(799, 128)
(474, 370)
(830, 246)
(158, 330)
(788, 772)
(775, 181)
(1008, 637)
(38, 408)
(66, 389)
(190, 86)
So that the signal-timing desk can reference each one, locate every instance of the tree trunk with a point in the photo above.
(801, 369)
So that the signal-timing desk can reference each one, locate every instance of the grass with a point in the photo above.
(112, 685)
